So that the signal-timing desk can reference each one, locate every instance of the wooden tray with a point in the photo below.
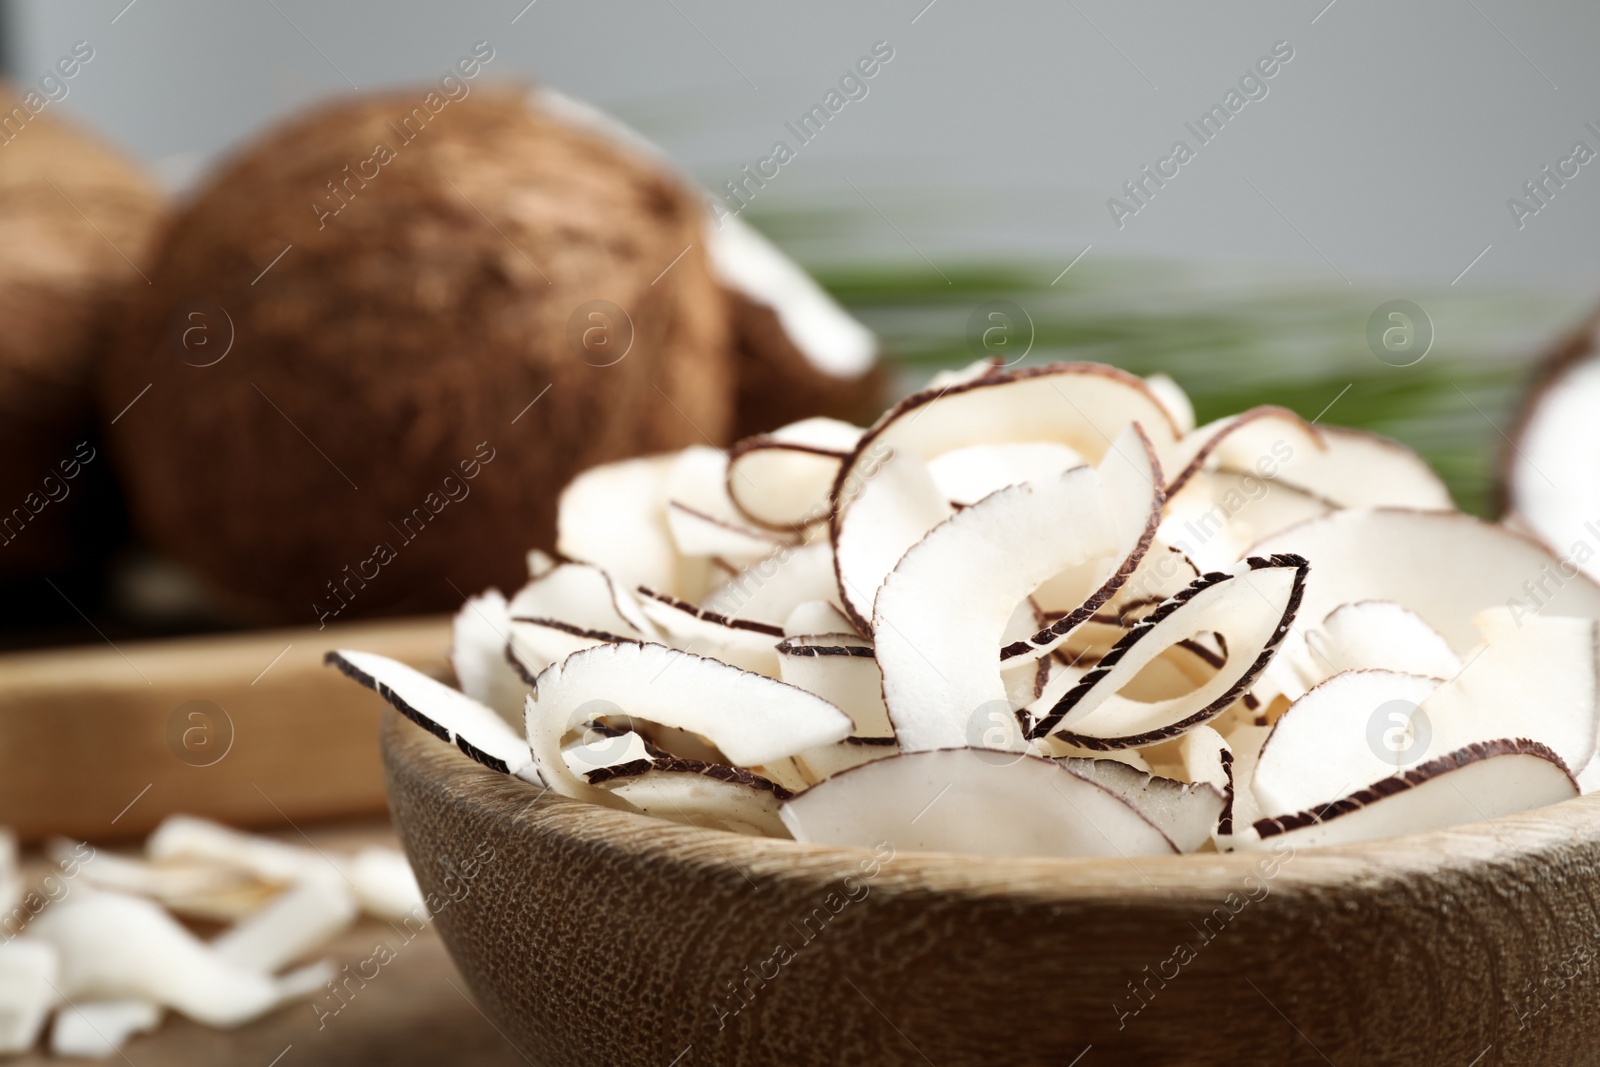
(251, 729)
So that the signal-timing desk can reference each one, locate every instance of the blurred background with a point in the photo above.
(213, 401)
(986, 160)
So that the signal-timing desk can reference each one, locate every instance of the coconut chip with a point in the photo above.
(1035, 586)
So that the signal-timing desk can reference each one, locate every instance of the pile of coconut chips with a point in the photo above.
(1030, 612)
(102, 942)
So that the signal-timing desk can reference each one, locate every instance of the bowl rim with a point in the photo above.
(1198, 877)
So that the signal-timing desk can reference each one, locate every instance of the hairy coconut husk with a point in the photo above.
(401, 337)
(74, 218)
(778, 384)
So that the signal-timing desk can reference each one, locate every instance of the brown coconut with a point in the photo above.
(400, 277)
(779, 384)
(75, 218)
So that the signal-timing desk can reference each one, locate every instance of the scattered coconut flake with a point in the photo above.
(98, 1029)
(113, 946)
(29, 977)
(380, 878)
(301, 918)
(178, 884)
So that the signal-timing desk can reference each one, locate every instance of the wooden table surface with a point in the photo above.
(415, 1012)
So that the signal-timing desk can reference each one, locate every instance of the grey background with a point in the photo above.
(1386, 149)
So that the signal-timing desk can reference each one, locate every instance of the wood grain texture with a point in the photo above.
(594, 936)
(92, 739)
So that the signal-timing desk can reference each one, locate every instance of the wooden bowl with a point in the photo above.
(593, 936)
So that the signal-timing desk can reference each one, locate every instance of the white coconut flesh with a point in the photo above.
(1444, 566)
(942, 614)
(750, 718)
(447, 713)
(895, 507)
(771, 589)
(841, 669)
(1082, 406)
(1377, 635)
(1366, 470)
(1172, 397)
(1233, 625)
(1187, 813)
(573, 606)
(965, 800)
(967, 475)
(1353, 729)
(1551, 486)
(1487, 780)
(781, 480)
(98, 1029)
(748, 645)
(702, 518)
(113, 946)
(1206, 757)
(175, 883)
(293, 924)
(708, 795)
(1251, 607)
(615, 517)
(1534, 678)
(1129, 485)
(1348, 468)
(478, 637)
(818, 617)
(30, 975)
(1217, 515)
(380, 877)
(584, 597)
(1255, 441)
(832, 341)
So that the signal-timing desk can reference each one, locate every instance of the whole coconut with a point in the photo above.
(75, 218)
(384, 336)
